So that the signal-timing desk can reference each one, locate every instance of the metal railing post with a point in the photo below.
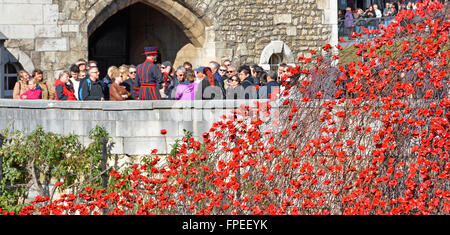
(1, 159)
(104, 158)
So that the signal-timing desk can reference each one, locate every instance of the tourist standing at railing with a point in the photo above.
(371, 22)
(128, 82)
(21, 86)
(386, 9)
(168, 79)
(234, 90)
(223, 72)
(341, 18)
(254, 70)
(282, 69)
(33, 93)
(214, 66)
(359, 20)
(246, 81)
(132, 73)
(348, 24)
(82, 75)
(390, 15)
(187, 65)
(107, 82)
(64, 88)
(186, 89)
(74, 71)
(117, 91)
(48, 93)
(81, 63)
(378, 14)
(91, 88)
(272, 87)
(231, 71)
(209, 88)
(226, 62)
(180, 76)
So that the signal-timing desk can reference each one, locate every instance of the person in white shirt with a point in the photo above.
(377, 11)
(74, 79)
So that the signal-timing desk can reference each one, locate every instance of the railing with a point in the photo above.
(369, 23)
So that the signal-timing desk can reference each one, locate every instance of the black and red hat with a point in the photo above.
(150, 50)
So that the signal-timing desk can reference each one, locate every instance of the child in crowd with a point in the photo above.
(32, 93)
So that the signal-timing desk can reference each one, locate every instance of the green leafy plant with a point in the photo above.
(42, 159)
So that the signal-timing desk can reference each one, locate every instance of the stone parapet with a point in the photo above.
(133, 125)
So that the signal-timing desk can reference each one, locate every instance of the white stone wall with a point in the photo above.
(34, 33)
(29, 19)
(133, 125)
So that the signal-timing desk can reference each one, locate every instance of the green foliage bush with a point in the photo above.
(43, 158)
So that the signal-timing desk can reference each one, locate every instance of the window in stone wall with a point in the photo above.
(275, 53)
(275, 60)
(9, 79)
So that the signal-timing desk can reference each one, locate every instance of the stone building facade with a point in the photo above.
(52, 34)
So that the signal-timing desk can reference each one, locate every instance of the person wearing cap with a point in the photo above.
(199, 74)
(149, 76)
(166, 69)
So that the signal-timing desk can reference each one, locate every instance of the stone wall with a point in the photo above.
(52, 34)
(133, 125)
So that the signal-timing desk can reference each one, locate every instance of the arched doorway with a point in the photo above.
(120, 39)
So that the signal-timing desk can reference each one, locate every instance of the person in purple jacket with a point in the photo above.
(186, 90)
(348, 24)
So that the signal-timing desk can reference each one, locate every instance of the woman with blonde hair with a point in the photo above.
(33, 92)
(107, 82)
(124, 72)
(117, 92)
(21, 86)
(127, 82)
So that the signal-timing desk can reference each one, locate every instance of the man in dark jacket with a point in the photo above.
(272, 86)
(247, 83)
(92, 89)
(106, 83)
(244, 76)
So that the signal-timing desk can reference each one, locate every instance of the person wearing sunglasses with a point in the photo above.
(180, 77)
(223, 74)
(234, 89)
(231, 71)
(132, 74)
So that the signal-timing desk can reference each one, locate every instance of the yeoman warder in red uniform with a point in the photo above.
(149, 76)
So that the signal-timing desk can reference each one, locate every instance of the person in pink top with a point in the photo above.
(186, 90)
(32, 93)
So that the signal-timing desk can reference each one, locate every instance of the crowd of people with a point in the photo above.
(352, 20)
(152, 81)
